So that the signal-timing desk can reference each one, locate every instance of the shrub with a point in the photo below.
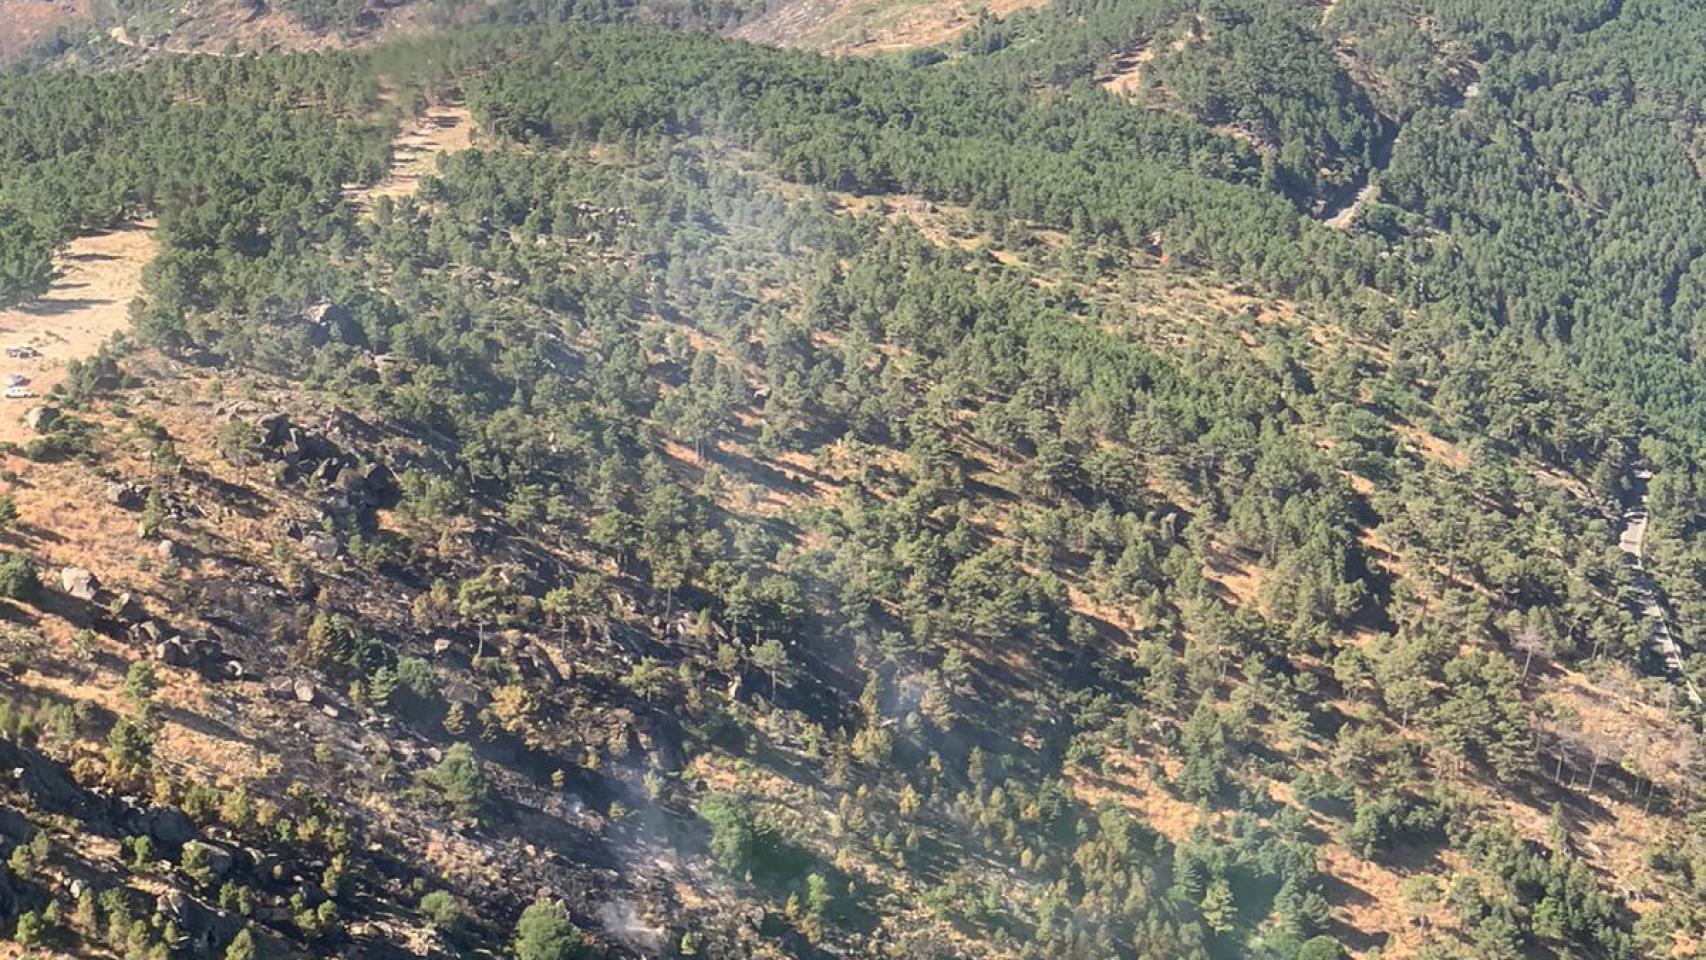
(460, 781)
(443, 911)
(18, 579)
(734, 831)
(1321, 948)
(546, 933)
(242, 946)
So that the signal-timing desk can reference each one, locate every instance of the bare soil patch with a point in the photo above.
(232, 27)
(25, 23)
(1126, 77)
(444, 129)
(90, 301)
(865, 27)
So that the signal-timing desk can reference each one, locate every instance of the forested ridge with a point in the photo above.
(753, 503)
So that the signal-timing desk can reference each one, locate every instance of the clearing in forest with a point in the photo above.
(864, 27)
(1126, 77)
(89, 301)
(99, 275)
(441, 130)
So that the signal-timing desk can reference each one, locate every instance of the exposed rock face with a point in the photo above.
(327, 321)
(169, 826)
(217, 859)
(348, 484)
(206, 931)
(44, 784)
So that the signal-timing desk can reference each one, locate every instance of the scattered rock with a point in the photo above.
(172, 904)
(236, 408)
(174, 653)
(312, 893)
(79, 583)
(323, 546)
(169, 551)
(41, 419)
(266, 865)
(304, 691)
(305, 589)
(126, 609)
(217, 858)
(326, 320)
(169, 826)
(662, 750)
(127, 496)
(349, 483)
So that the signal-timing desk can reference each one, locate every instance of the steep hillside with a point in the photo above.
(24, 24)
(615, 491)
(871, 26)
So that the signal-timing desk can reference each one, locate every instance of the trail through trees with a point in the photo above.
(1632, 540)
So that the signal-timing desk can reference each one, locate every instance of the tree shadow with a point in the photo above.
(54, 308)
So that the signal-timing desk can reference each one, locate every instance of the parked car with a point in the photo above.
(19, 393)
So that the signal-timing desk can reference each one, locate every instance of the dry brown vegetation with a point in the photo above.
(25, 23)
(864, 27)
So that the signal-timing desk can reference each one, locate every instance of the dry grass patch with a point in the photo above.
(99, 276)
(415, 153)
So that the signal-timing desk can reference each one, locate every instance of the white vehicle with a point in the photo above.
(19, 393)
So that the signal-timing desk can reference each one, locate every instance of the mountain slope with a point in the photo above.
(748, 503)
